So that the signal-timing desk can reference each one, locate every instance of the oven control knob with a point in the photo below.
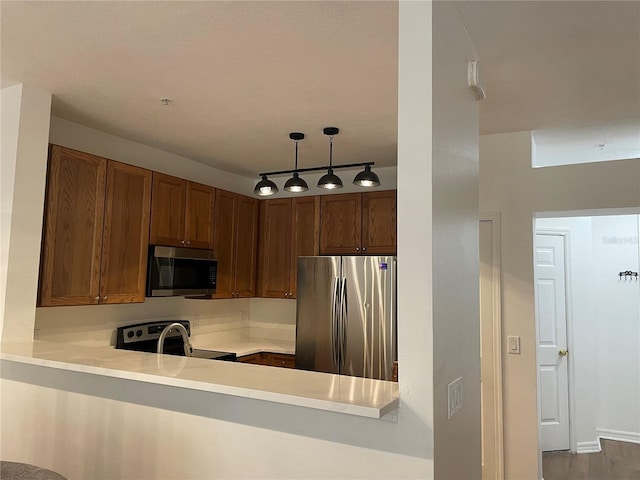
(130, 333)
(139, 333)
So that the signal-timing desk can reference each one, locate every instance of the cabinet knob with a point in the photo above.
(97, 299)
(182, 242)
(364, 249)
(189, 242)
(104, 299)
(357, 249)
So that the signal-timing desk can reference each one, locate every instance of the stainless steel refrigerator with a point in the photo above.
(346, 315)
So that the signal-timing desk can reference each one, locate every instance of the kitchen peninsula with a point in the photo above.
(337, 393)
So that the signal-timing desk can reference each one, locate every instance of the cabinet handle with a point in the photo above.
(182, 242)
(104, 299)
(97, 299)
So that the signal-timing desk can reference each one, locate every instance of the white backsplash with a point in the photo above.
(95, 325)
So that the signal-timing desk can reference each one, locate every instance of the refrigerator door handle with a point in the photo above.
(343, 321)
(334, 320)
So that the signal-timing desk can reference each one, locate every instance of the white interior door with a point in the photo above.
(550, 293)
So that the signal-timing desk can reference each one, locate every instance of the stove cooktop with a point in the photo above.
(143, 337)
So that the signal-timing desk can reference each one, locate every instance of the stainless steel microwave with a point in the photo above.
(174, 271)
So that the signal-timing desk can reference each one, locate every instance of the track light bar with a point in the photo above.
(314, 169)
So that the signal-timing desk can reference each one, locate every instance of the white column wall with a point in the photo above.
(24, 158)
(455, 248)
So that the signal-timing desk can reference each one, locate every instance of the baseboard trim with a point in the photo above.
(589, 447)
(633, 437)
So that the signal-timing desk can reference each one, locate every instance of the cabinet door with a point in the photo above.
(199, 214)
(70, 267)
(126, 234)
(379, 223)
(274, 248)
(340, 228)
(168, 210)
(246, 246)
(224, 242)
(305, 227)
(282, 360)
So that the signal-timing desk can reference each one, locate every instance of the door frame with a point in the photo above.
(494, 218)
(566, 244)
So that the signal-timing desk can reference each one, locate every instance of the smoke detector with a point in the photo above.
(474, 83)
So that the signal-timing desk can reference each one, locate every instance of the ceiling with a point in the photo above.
(242, 75)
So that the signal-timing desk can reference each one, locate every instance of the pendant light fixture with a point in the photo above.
(367, 178)
(296, 184)
(330, 181)
(265, 187)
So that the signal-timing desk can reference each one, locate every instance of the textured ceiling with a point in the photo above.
(244, 74)
(567, 70)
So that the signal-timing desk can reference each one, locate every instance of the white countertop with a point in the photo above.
(245, 346)
(351, 395)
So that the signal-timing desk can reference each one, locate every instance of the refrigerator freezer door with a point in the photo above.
(370, 324)
(318, 314)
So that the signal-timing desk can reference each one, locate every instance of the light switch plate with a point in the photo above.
(455, 397)
(513, 342)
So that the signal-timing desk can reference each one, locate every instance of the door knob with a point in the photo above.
(563, 352)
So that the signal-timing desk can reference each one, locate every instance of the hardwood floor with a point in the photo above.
(617, 461)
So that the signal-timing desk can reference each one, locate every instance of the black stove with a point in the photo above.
(143, 337)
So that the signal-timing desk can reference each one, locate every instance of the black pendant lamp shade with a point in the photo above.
(330, 181)
(367, 178)
(296, 184)
(265, 187)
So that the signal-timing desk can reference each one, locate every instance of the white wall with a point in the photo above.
(455, 249)
(509, 185)
(617, 309)
(90, 140)
(25, 128)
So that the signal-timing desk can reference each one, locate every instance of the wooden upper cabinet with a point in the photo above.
(288, 228)
(126, 234)
(199, 215)
(358, 224)
(181, 213)
(341, 224)
(168, 206)
(305, 228)
(246, 246)
(235, 244)
(72, 243)
(379, 222)
(274, 252)
(96, 230)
